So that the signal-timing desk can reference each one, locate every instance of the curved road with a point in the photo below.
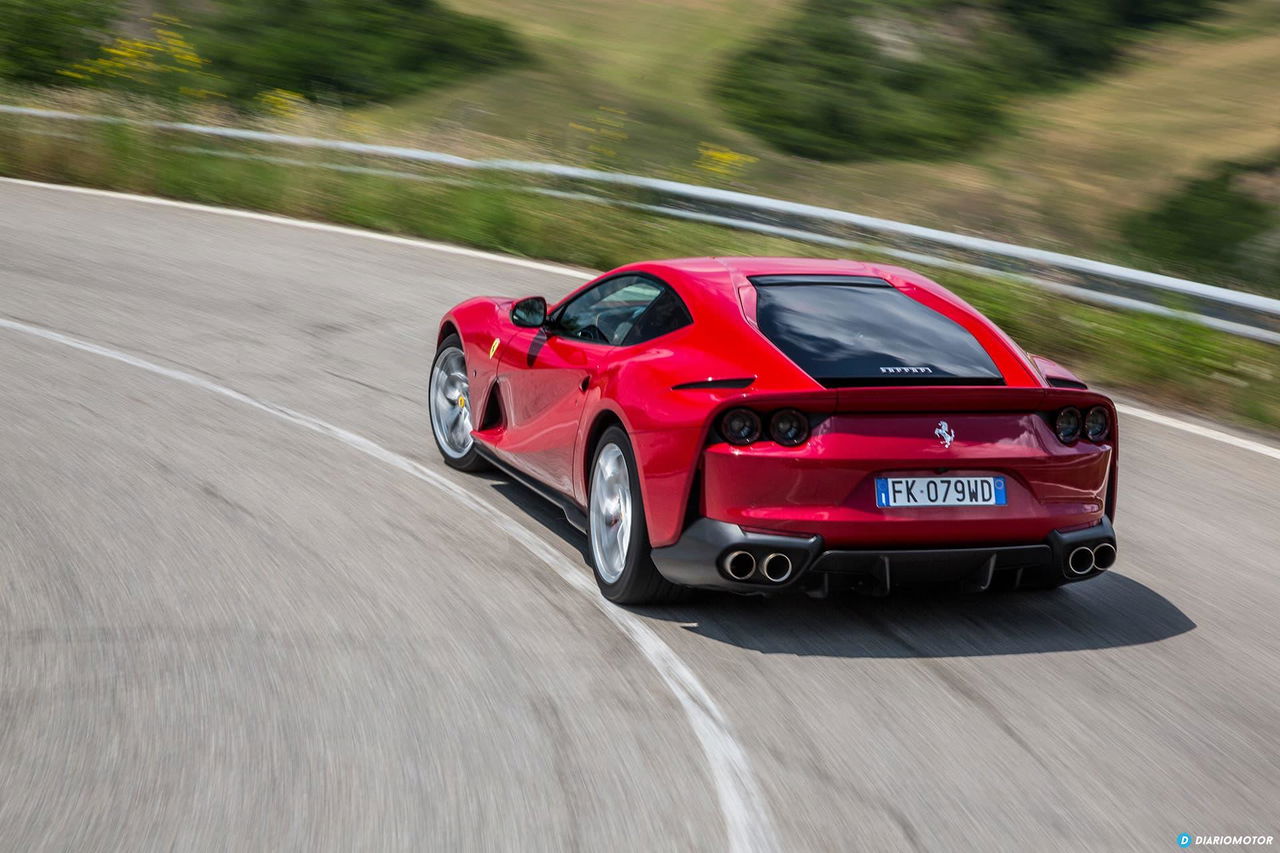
(244, 607)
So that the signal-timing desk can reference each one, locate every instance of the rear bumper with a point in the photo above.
(701, 558)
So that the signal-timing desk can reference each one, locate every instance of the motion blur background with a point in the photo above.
(225, 632)
(1144, 132)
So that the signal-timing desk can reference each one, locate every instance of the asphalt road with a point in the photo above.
(226, 626)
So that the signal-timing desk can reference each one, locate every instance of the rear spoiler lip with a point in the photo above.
(941, 399)
(967, 398)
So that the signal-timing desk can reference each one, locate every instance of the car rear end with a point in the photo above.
(913, 461)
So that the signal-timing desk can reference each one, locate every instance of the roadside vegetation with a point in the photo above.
(41, 38)
(1225, 224)
(857, 79)
(350, 51)
(633, 86)
(335, 51)
(1159, 359)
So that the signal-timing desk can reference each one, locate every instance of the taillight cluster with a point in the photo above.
(1070, 426)
(788, 427)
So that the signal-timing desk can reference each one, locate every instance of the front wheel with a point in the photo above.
(620, 552)
(449, 402)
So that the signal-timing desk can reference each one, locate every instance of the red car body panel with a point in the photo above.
(555, 393)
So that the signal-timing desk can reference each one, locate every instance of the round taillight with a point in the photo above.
(740, 426)
(788, 427)
(1097, 424)
(1067, 425)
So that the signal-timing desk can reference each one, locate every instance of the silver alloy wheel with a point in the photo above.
(610, 513)
(450, 403)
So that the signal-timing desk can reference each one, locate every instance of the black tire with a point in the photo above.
(640, 581)
(470, 461)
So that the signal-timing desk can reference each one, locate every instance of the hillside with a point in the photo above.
(1114, 165)
(628, 85)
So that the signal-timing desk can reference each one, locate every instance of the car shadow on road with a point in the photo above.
(1111, 611)
(1108, 612)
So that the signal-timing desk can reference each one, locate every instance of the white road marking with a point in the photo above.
(557, 269)
(742, 802)
(1198, 429)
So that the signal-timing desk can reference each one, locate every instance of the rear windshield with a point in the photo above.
(851, 330)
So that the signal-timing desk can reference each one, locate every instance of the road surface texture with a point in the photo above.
(229, 626)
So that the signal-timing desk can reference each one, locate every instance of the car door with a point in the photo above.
(546, 373)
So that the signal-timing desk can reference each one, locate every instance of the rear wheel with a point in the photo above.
(449, 402)
(619, 537)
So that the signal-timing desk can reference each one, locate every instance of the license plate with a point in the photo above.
(940, 491)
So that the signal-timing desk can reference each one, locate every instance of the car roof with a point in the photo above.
(723, 275)
(710, 270)
(712, 284)
(797, 266)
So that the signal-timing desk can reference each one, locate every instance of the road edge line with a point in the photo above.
(742, 802)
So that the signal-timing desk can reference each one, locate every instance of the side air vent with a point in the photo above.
(493, 411)
(742, 382)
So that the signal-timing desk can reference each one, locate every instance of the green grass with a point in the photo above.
(628, 86)
(1065, 172)
(1169, 361)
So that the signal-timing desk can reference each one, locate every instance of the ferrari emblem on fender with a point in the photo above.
(945, 433)
(493, 347)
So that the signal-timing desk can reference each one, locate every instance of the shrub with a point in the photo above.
(820, 88)
(349, 50)
(40, 38)
(859, 79)
(1076, 36)
(162, 64)
(1213, 225)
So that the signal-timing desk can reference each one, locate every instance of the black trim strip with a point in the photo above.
(900, 380)
(714, 383)
(572, 512)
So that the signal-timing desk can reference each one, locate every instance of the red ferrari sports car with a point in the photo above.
(760, 424)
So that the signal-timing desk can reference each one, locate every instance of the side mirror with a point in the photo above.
(529, 313)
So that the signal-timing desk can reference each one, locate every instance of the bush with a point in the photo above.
(859, 79)
(162, 64)
(1213, 225)
(820, 88)
(41, 38)
(349, 50)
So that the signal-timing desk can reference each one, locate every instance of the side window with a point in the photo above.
(664, 314)
(621, 311)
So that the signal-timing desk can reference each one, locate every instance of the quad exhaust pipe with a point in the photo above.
(742, 565)
(1104, 556)
(1080, 561)
(1084, 559)
(776, 568)
(739, 565)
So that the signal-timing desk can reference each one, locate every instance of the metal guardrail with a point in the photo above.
(1237, 312)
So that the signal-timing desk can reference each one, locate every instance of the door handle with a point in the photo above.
(585, 383)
